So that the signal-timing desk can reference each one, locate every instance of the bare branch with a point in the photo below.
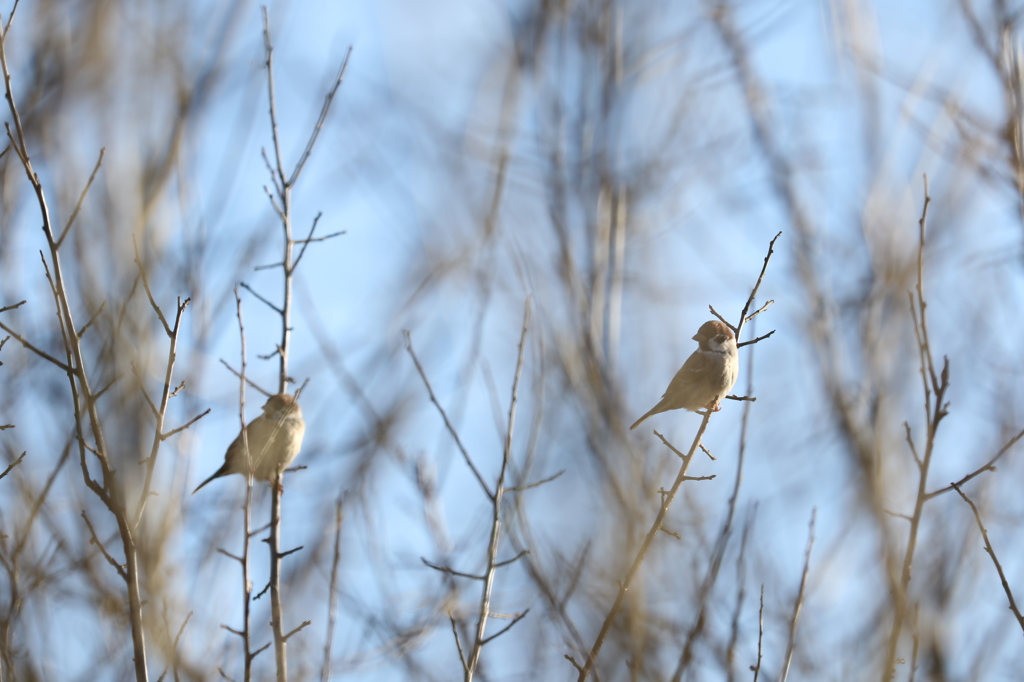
(760, 338)
(458, 644)
(190, 422)
(753, 292)
(518, 617)
(253, 292)
(320, 121)
(44, 355)
(995, 560)
(94, 540)
(988, 466)
(450, 571)
(514, 559)
(14, 463)
(722, 319)
(444, 416)
(265, 392)
(759, 310)
(149, 292)
(538, 484)
(297, 630)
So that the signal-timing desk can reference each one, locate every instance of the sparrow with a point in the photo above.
(274, 439)
(706, 376)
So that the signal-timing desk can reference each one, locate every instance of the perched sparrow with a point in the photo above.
(706, 376)
(274, 439)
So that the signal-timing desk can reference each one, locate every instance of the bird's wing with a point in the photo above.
(693, 370)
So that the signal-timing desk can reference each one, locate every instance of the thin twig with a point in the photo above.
(13, 464)
(458, 644)
(753, 341)
(988, 466)
(250, 382)
(44, 355)
(995, 560)
(753, 293)
(184, 426)
(448, 425)
(253, 292)
(328, 99)
(529, 486)
(518, 617)
(12, 307)
(94, 540)
(721, 318)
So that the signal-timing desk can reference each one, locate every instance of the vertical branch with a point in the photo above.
(933, 386)
(247, 510)
(499, 490)
(284, 193)
(281, 200)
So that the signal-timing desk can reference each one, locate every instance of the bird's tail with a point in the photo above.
(223, 471)
(654, 410)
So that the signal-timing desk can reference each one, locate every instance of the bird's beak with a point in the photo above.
(698, 338)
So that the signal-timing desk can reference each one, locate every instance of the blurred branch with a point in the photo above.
(332, 594)
(760, 635)
(795, 619)
(81, 198)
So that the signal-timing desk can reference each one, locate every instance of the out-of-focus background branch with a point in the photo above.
(621, 163)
